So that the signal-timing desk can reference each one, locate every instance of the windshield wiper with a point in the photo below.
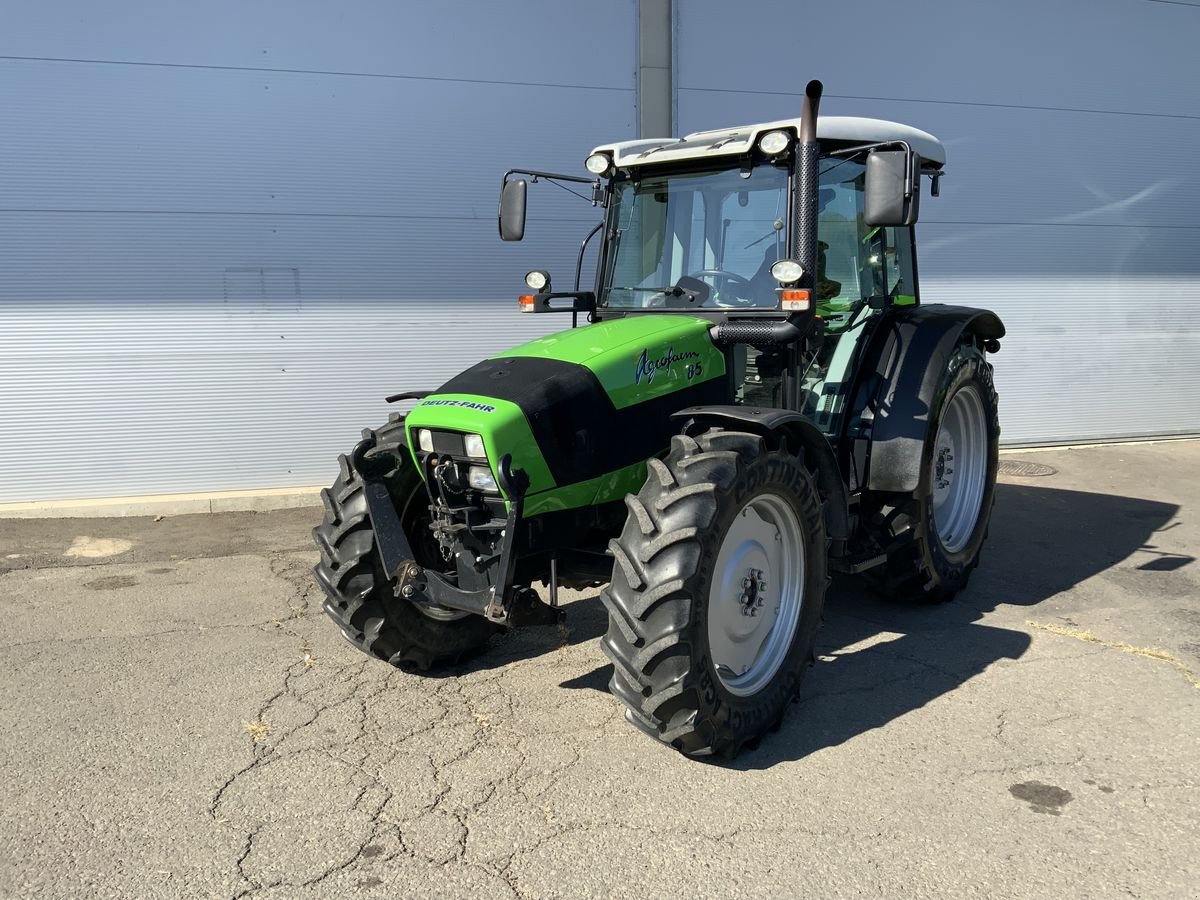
(775, 229)
(672, 291)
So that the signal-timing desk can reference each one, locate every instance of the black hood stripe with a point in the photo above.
(579, 431)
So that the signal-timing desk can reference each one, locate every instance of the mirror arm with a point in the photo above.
(913, 174)
(851, 151)
(597, 188)
(554, 176)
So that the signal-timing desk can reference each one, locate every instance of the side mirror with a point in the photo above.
(893, 188)
(512, 210)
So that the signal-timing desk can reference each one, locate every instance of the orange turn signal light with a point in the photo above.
(525, 302)
(794, 300)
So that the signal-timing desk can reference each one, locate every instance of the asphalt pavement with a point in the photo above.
(179, 719)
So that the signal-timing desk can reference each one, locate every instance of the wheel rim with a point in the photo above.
(958, 470)
(756, 595)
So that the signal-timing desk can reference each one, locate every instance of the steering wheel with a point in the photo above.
(741, 288)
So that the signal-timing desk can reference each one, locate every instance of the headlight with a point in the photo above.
(537, 279)
(774, 142)
(597, 163)
(787, 271)
(480, 478)
(425, 439)
(473, 444)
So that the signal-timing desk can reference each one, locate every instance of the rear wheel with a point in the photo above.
(717, 591)
(937, 532)
(358, 592)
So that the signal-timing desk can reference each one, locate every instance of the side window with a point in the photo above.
(883, 273)
(840, 256)
(890, 260)
(856, 261)
(642, 223)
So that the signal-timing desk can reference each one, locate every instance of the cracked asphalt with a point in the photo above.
(179, 719)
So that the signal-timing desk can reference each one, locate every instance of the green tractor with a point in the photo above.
(757, 399)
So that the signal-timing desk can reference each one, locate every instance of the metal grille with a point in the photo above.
(1025, 469)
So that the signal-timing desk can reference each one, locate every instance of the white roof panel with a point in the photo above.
(739, 139)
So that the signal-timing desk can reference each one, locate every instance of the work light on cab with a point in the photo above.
(538, 280)
(598, 163)
(787, 271)
(791, 298)
(774, 142)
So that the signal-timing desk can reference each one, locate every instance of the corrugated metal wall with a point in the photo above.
(1072, 201)
(227, 230)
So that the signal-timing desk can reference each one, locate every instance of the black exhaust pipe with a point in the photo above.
(804, 200)
(803, 248)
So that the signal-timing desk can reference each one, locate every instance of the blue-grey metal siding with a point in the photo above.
(228, 229)
(1071, 201)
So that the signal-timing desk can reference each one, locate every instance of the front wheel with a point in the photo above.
(358, 591)
(717, 592)
(939, 530)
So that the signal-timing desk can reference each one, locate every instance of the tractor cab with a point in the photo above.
(705, 225)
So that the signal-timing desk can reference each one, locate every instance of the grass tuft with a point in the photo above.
(258, 730)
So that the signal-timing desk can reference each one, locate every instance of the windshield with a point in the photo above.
(708, 239)
(697, 239)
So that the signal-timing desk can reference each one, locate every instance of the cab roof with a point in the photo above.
(831, 130)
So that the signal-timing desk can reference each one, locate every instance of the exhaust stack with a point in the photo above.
(804, 200)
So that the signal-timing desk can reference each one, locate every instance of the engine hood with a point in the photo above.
(583, 403)
(634, 358)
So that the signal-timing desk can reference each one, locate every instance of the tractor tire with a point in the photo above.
(359, 596)
(938, 531)
(722, 525)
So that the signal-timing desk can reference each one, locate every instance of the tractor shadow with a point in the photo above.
(586, 620)
(878, 659)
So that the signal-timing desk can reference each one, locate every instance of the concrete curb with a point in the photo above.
(165, 504)
(1045, 448)
(289, 498)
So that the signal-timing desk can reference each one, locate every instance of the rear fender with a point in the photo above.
(899, 394)
(801, 433)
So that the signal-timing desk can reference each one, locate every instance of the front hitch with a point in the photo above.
(500, 603)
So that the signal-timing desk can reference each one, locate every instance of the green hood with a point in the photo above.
(637, 357)
(584, 407)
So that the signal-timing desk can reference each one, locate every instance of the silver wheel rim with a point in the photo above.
(958, 470)
(756, 595)
(440, 613)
